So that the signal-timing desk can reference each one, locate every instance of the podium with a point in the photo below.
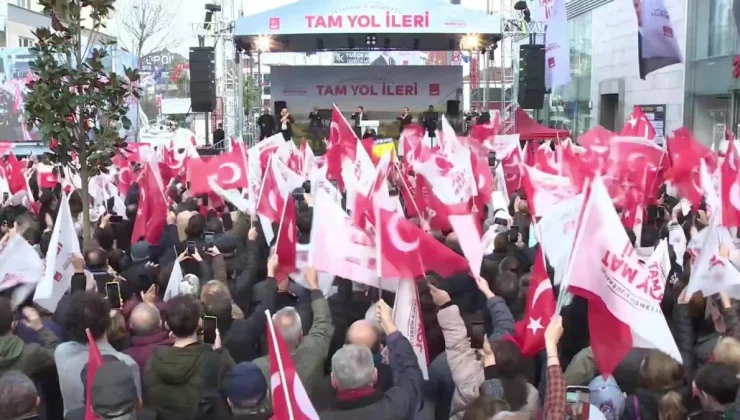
(372, 124)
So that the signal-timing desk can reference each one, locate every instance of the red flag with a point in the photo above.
(228, 170)
(45, 176)
(529, 333)
(342, 144)
(638, 125)
(730, 187)
(94, 361)
(685, 153)
(407, 252)
(271, 202)
(14, 174)
(151, 216)
(287, 237)
(289, 398)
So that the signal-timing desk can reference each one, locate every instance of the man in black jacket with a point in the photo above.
(354, 374)
(266, 123)
(403, 120)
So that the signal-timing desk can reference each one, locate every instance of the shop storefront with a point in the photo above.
(712, 95)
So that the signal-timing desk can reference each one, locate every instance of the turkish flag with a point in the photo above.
(228, 170)
(638, 125)
(14, 174)
(730, 188)
(271, 202)
(45, 176)
(685, 153)
(342, 144)
(287, 237)
(94, 361)
(407, 252)
(151, 215)
(289, 397)
(529, 333)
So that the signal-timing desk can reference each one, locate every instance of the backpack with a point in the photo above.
(211, 404)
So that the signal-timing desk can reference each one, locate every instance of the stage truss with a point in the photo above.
(229, 75)
(514, 29)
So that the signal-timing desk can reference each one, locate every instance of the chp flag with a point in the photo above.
(63, 247)
(623, 298)
(656, 39)
(557, 51)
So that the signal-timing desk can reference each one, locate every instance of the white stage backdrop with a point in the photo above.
(387, 88)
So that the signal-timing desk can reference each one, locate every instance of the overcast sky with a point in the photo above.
(185, 17)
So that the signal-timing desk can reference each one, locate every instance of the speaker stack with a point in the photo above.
(531, 76)
(279, 106)
(202, 79)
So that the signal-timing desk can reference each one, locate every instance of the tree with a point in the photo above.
(148, 25)
(251, 95)
(77, 105)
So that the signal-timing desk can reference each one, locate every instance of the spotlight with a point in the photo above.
(520, 5)
(211, 7)
(470, 42)
(263, 43)
(371, 40)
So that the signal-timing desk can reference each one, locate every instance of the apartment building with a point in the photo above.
(20, 18)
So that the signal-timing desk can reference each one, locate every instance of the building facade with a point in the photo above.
(605, 83)
(712, 94)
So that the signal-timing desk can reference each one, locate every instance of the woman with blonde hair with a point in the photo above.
(662, 392)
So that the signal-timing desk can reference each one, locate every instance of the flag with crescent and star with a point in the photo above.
(638, 125)
(529, 333)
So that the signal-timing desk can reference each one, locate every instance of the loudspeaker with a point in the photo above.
(453, 108)
(279, 105)
(202, 79)
(531, 76)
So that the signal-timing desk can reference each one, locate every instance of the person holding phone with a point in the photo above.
(174, 375)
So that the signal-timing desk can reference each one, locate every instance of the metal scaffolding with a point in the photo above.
(229, 75)
(514, 29)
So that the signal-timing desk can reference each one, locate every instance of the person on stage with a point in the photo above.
(404, 120)
(316, 125)
(484, 117)
(286, 124)
(358, 116)
(429, 121)
(266, 123)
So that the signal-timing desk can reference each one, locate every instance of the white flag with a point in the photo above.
(712, 273)
(64, 245)
(557, 230)
(20, 265)
(557, 50)
(407, 317)
(604, 266)
(173, 285)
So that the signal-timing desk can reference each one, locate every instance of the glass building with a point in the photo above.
(712, 95)
(568, 106)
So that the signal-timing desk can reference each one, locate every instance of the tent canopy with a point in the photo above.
(530, 129)
(336, 25)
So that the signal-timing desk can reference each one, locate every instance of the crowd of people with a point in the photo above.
(351, 358)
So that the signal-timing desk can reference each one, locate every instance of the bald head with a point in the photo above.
(144, 319)
(363, 333)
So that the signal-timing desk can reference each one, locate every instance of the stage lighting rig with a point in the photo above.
(371, 40)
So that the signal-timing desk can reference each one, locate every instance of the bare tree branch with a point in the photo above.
(148, 25)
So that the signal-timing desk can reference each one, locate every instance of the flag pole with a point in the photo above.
(281, 369)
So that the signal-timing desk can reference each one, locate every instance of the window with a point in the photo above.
(24, 42)
(721, 29)
(24, 3)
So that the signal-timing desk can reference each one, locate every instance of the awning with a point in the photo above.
(530, 129)
(335, 25)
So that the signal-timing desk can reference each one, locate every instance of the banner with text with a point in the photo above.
(396, 87)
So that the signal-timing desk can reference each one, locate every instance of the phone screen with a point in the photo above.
(209, 329)
(6, 196)
(113, 293)
(208, 237)
(191, 247)
(577, 400)
(145, 282)
(116, 219)
(514, 234)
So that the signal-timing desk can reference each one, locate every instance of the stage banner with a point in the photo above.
(557, 51)
(657, 45)
(396, 87)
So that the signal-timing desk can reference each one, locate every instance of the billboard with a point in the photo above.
(396, 87)
(380, 58)
(15, 72)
